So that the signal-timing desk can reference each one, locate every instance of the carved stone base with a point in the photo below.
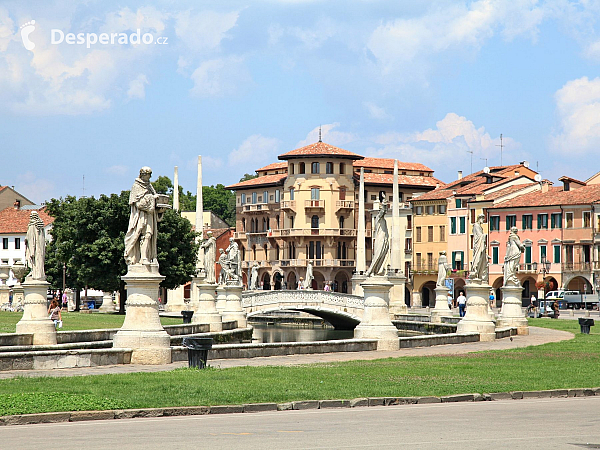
(477, 318)
(18, 297)
(4, 294)
(207, 312)
(142, 330)
(376, 323)
(175, 300)
(397, 294)
(233, 307)
(441, 305)
(357, 279)
(107, 304)
(221, 299)
(35, 313)
(511, 314)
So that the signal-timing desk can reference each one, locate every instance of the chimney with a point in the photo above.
(544, 187)
(17, 204)
(460, 174)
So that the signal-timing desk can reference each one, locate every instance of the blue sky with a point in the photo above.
(241, 82)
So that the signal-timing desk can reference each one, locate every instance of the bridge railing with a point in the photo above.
(297, 297)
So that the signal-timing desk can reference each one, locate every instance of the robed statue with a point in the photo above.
(381, 246)
(35, 247)
(224, 273)
(233, 258)
(253, 278)
(140, 240)
(514, 249)
(479, 264)
(309, 276)
(443, 268)
(209, 246)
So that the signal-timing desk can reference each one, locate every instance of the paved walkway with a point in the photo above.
(537, 336)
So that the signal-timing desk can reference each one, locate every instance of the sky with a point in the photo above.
(435, 82)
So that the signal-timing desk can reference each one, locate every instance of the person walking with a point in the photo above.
(54, 312)
(462, 304)
(449, 301)
(555, 307)
(492, 299)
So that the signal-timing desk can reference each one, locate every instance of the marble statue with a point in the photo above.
(233, 257)
(224, 263)
(514, 249)
(443, 268)
(35, 247)
(141, 237)
(253, 286)
(309, 276)
(381, 246)
(479, 264)
(209, 247)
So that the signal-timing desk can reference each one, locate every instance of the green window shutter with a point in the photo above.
(557, 253)
(462, 225)
(539, 220)
(494, 255)
(453, 225)
(559, 220)
(454, 260)
(524, 223)
(527, 255)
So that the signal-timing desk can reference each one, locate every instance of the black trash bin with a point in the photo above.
(198, 348)
(187, 316)
(585, 324)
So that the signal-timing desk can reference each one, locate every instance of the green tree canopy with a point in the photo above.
(248, 176)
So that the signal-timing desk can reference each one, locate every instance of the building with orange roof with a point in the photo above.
(304, 209)
(11, 198)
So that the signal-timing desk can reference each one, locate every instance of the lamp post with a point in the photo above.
(545, 269)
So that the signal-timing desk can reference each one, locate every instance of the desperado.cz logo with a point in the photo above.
(58, 36)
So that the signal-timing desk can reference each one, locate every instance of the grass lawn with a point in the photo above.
(567, 364)
(76, 321)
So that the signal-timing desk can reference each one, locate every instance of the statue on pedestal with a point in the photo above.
(35, 247)
(381, 246)
(309, 276)
(479, 264)
(233, 257)
(253, 286)
(443, 268)
(224, 263)
(140, 240)
(209, 247)
(514, 249)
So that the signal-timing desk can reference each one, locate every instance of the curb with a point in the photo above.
(77, 416)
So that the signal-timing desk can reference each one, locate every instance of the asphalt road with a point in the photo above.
(529, 424)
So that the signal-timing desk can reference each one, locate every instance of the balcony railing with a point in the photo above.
(318, 262)
(344, 204)
(256, 208)
(289, 205)
(314, 204)
(248, 264)
(528, 267)
(577, 267)
(239, 235)
(425, 268)
(291, 232)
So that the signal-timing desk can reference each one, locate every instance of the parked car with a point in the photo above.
(543, 305)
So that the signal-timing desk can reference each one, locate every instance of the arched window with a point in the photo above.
(341, 221)
(268, 223)
(301, 168)
(315, 168)
(277, 252)
(266, 254)
(254, 252)
(314, 221)
(344, 251)
(244, 224)
(264, 224)
(277, 220)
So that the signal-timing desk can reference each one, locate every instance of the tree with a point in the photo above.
(88, 236)
(248, 176)
(163, 185)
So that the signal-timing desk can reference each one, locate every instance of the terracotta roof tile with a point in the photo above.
(388, 163)
(260, 181)
(13, 221)
(555, 196)
(319, 149)
(273, 166)
(507, 190)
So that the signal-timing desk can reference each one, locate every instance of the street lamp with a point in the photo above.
(545, 269)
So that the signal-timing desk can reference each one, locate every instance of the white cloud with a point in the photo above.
(255, 150)
(328, 134)
(376, 112)
(578, 111)
(35, 189)
(137, 87)
(119, 170)
(219, 77)
(205, 30)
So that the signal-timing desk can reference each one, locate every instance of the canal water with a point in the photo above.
(281, 332)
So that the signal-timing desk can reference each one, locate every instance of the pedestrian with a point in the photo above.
(54, 312)
(462, 304)
(449, 301)
(492, 299)
(301, 284)
(65, 301)
(555, 307)
(327, 288)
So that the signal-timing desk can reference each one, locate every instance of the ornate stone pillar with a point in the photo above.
(376, 322)
(107, 303)
(175, 300)
(441, 305)
(477, 319)
(35, 313)
(207, 313)
(233, 306)
(142, 330)
(511, 314)
(221, 299)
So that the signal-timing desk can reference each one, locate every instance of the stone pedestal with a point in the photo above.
(477, 318)
(4, 294)
(194, 293)
(175, 300)
(397, 294)
(207, 313)
(511, 314)
(357, 279)
(376, 323)
(233, 306)
(35, 313)
(18, 297)
(107, 303)
(441, 305)
(142, 330)
(221, 299)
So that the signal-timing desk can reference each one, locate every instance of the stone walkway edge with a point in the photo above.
(77, 416)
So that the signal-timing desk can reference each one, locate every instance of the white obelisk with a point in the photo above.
(176, 189)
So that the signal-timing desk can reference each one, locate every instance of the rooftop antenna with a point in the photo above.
(320, 133)
(484, 159)
(83, 187)
(501, 147)
(471, 152)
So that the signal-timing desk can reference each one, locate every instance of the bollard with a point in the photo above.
(585, 324)
(197, 351)
(187, 316)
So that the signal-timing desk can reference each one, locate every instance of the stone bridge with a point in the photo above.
(343, 311)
